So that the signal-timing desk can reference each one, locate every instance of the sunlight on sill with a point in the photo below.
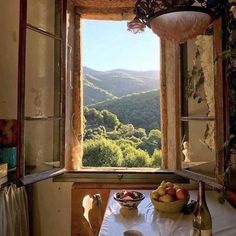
(119, 169)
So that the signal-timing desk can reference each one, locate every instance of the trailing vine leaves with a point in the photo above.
(194, 80)
(229, 57)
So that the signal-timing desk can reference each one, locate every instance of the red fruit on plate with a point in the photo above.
(181, 193)
(128, 194)
(170, 191)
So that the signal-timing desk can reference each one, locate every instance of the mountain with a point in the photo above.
(104, 85)
(142, 110)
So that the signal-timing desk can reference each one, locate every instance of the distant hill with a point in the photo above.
(104, 85)
(142, 110)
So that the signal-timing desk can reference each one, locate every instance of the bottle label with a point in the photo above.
(198, 232)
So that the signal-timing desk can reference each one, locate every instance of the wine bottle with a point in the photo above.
(202, 223)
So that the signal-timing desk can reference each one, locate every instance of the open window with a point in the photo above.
(41, 89)
(202, 107)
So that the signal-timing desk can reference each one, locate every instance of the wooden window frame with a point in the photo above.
(21, 176)
(220, 116)
(170, 113)
(169, 160)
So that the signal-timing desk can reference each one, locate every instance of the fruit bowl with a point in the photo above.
(169, 207)
(169, 197)
(128, 199)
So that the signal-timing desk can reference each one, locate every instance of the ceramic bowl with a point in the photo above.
(129, 202)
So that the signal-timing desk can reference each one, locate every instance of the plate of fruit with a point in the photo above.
(129, 198)
(169, 197)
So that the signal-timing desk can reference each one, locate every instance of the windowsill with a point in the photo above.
(119, 176)
(119, 169)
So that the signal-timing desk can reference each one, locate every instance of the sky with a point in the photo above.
(108, 45)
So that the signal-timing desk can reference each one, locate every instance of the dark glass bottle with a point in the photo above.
(202, 223)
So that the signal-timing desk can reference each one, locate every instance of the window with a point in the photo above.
(121, 96)
(41, 96)
(41, 87)
(202, 106)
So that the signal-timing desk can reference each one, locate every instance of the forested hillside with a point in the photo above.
(122, 119)
(108, 142)
(103, 85)
(142, 110)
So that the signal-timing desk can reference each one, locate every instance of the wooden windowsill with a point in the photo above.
(133, 178)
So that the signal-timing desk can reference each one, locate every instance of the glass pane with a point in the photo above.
(44, 14)
(198, 146)
(42, 145)
(42, 88)
(198, 97)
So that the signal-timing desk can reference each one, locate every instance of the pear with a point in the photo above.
(161, 190)
(155, 195)
(166, 198)
(163, 183)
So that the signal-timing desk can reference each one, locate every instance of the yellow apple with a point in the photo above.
(169, 184)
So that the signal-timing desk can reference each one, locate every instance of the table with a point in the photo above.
(153, 223)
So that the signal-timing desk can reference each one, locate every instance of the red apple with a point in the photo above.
(128, 194)
(181, 193)
(170, 191)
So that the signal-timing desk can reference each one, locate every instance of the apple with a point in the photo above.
(155, 195)
(181, 193)
(169, 184)
(161, 190)
(171, 191)
(176, 186)
(166, 198)
(128, 194)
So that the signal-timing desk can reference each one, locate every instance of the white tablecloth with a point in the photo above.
(152, 223)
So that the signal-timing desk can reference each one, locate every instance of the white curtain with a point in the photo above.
(13, 211)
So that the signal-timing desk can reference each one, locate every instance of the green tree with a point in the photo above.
(102, 152)
(156, 158)
(152, 142)
(126, 130)
(93, 117)
(133, 157)
(109, 119)
(95, 133)
(140, 133)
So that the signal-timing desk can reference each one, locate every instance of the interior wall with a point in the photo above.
(51, 208)
(9, 58)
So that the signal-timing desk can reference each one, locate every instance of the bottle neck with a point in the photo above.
(201, 193)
